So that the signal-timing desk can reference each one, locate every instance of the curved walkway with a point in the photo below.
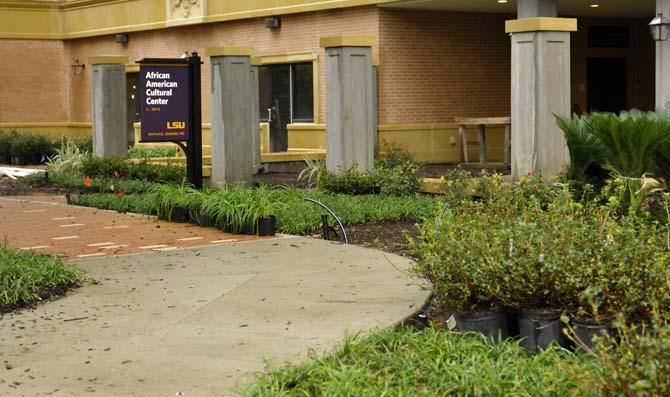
(195, 321)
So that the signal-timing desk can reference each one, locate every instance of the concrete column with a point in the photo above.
(109, 106)
(349, 102)
(537, 8)
(663, 63)
(255, 121)
(375, 107)
(232, 151)
(540, 89)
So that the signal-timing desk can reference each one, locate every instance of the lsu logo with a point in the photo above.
(176, 125)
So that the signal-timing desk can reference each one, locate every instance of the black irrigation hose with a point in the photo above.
(344, 233)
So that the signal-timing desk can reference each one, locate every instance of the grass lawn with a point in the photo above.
(431, 362)
(27, 277)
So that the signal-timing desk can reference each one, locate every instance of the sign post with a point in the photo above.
(171, 107)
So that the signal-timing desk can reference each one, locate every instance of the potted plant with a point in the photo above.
(265, 211)
(169, 202)
(453, 256)
(193, 202)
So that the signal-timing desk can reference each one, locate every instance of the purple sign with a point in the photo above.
(164, 110)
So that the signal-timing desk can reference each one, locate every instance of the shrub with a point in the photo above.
(396, 174)
(633, 362)
(143, 170)
(530, 247)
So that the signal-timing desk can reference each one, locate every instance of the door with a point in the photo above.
(286, 96)
(607, 84)
(275, 103)
(132, 104)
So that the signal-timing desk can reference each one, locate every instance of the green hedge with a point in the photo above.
(32, 147)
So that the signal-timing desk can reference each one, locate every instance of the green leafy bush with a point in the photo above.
(27, 277)
(527, 246)
(141, 170)
(396, 174)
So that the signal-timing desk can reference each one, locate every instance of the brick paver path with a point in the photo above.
(47, 224)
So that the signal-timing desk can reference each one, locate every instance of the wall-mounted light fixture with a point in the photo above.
(273, 23)
(121, 38)
(660, 27)
(77, 67)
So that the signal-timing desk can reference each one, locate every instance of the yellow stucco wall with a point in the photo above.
(33, 19)
(55, 129)
(428, 143)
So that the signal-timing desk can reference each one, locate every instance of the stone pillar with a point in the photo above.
(663, 63)
(349, 102)
(232, 151)
(540, 89)
(375, 106)
(109, 106)
(255, 121)
(537, 8)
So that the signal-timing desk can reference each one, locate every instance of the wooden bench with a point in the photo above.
(481, 124)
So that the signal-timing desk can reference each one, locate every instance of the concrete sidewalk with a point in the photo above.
(196, 321)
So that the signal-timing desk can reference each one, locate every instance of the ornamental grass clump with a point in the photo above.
(26, 277)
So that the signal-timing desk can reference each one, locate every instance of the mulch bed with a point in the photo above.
(26, 187)
(385, 236)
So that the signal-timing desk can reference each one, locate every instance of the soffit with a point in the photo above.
(574, 8)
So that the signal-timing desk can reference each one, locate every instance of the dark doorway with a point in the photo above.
(285, 96)
(132, 104)
(607, 84)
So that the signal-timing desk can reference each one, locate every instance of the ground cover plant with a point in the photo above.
(431, 362)
(27, 277)
(238, 206)
(140, 153)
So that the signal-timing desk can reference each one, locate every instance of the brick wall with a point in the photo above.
(435, 66)
(33, 81)
(299, 32)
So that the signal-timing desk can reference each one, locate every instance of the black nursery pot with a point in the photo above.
(202, 219)
(492, 324)
(540, 329)
(179, 215)
(267, 226)
(586, 329)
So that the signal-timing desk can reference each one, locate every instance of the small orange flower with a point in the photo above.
(88, 182)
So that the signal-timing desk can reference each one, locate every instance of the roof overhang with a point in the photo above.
(573, 8)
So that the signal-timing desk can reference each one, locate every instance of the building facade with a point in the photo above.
(436, 61)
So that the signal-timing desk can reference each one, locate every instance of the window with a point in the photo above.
(288, 87)
(303, 92)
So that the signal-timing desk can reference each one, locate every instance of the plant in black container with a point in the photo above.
(616, 267)
(454, 256)
(265, 208)
(169, 202)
